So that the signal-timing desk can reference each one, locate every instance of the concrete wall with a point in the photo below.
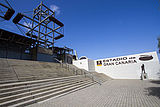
(83, 64)
(86, 64)
(124, 67)
(91, 65)
(129, 67)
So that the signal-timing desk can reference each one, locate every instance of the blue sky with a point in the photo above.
(102, 28)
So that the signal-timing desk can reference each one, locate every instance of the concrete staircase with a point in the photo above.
(6, 72)
(24, 70)
(25, 82)
(18, 94)
(101, 77)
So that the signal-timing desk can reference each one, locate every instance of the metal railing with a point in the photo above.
(90, 75)
(80, 72)
(85, 73)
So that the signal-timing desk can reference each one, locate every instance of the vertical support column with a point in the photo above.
(46, 35)
(39, 30)
(34, 11)
(53, 32)
(34, 50)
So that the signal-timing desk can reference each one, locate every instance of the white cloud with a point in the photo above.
(55, 8)
(29, 25)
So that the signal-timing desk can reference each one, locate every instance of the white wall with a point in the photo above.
(91, 65)
(86, 64)
(130, 70)
(123, 67)
(83, 64)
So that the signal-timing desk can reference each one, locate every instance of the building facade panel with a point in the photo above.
(129, 67)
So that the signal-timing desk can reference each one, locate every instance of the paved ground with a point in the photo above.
(114, 93)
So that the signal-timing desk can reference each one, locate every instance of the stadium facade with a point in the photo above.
(124, 67)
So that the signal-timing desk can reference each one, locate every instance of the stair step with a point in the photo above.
(38, 81)
(30, 88)
(34, 82)
(52, 95)
(37, 84)
(37, 93)
(7, 98)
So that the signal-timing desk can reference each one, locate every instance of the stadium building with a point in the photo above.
(124, 67)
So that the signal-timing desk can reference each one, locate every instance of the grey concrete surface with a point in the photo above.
(113, 93)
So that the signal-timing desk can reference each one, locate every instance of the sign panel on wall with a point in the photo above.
(124, 60)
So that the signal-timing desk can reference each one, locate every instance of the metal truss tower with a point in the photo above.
(42, 26)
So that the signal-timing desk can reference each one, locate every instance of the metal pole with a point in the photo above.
(33, 22)
(39, 24)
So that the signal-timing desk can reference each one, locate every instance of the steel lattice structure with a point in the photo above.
(42, 26)
(6, 12)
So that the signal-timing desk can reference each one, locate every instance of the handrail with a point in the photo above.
(93, 77)
(58, 61)
(90, 75)
(83, 72)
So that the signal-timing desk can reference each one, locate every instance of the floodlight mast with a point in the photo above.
(43, 26)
